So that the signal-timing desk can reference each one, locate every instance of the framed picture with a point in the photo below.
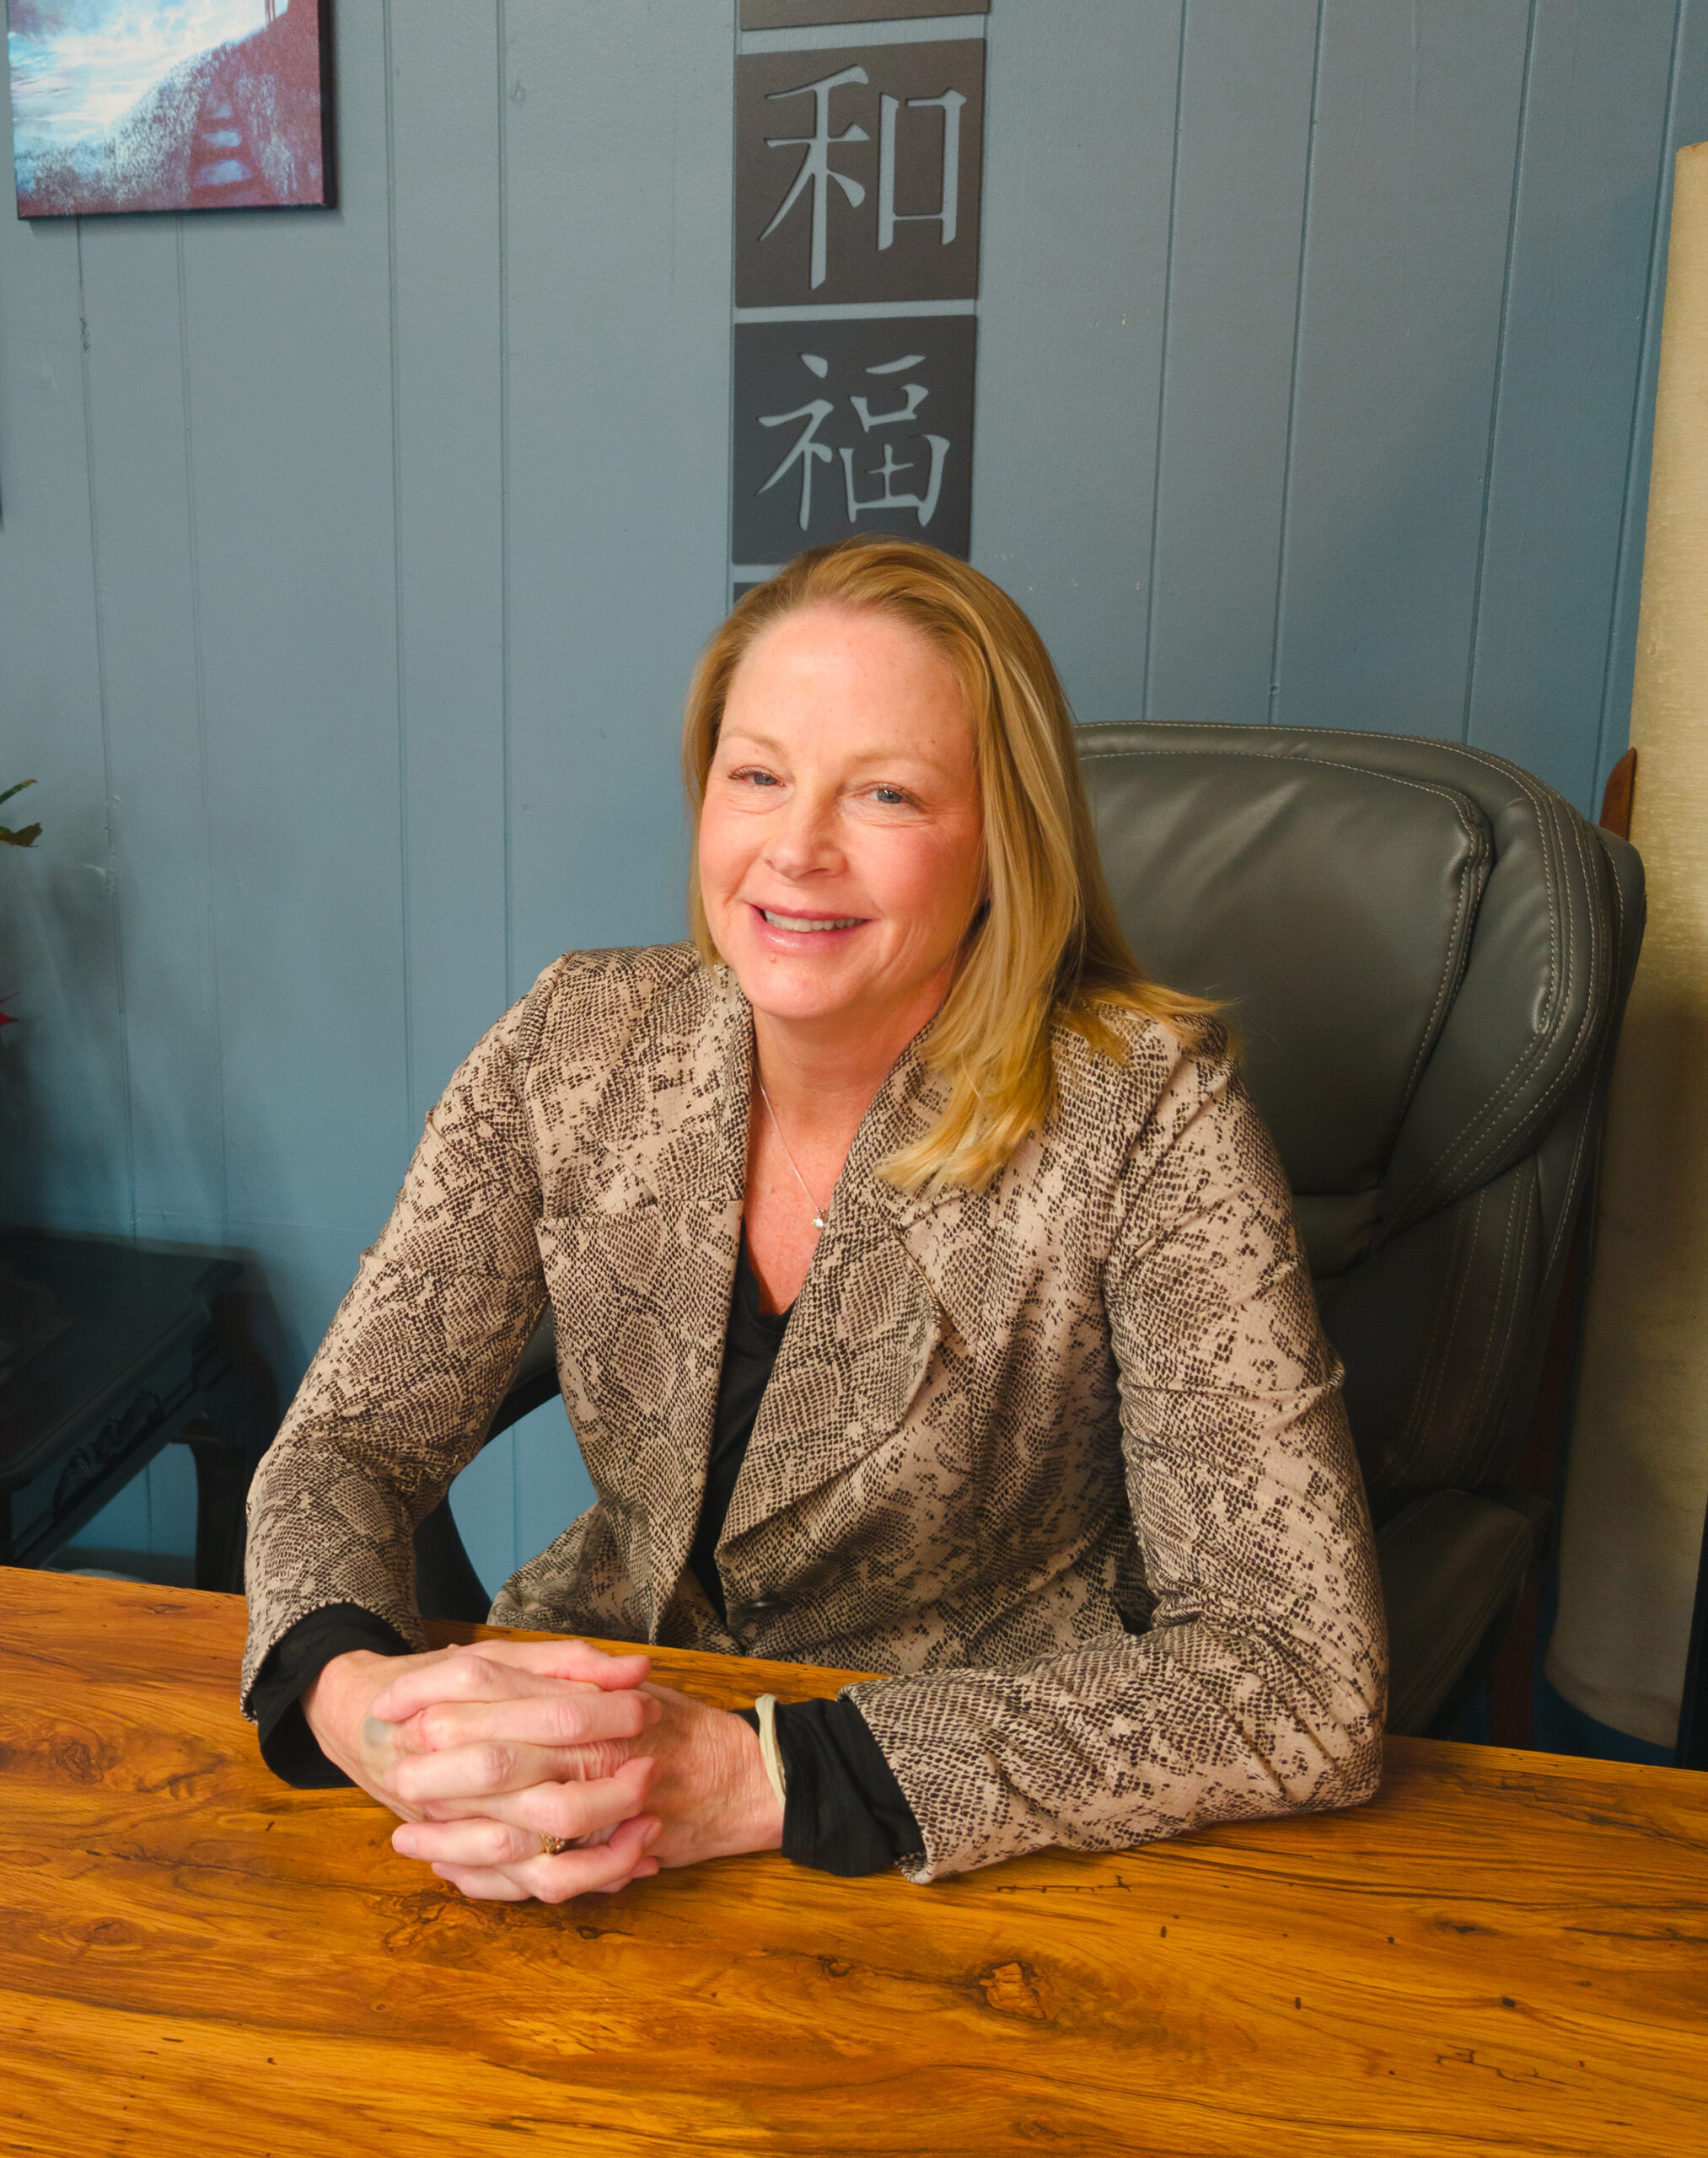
(126, 105)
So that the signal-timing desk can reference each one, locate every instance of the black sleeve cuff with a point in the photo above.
(844, 1811)
(293, 1662)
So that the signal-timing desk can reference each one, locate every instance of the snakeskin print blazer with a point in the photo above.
(1066, 1457)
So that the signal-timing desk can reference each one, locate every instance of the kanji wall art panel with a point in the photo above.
(169, 104)
(857, 174)
(843, 428)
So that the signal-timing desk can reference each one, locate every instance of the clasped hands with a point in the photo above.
(488, 1749)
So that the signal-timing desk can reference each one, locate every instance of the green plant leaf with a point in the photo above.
(29, 833)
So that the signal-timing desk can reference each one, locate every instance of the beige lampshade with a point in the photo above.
(1637, 1483)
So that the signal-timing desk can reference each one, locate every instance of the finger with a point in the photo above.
(566, 1655)
(498, 1885)
(477, 1673)
(470, 1773)
(477, 1842)
(556, 1878)
(461, 1678)
(497, 1669)
(577, 1812)
(575, 1806)
(568, 1715)
(480, 1843)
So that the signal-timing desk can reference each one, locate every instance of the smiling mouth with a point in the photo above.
(802, 921)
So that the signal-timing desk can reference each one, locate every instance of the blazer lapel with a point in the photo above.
(870, 1314)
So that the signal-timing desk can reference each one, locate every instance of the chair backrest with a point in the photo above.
(1425, 952)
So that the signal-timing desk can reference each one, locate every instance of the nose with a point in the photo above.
(803, 842)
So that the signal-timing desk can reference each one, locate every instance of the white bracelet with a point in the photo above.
(769, 1751)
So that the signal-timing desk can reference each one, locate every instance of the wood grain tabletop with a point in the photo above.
(1505, 1952)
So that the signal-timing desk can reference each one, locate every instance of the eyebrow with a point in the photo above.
(895, 754)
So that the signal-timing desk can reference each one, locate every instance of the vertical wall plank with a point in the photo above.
(140, 492)
(1240, 193)
(448, 282)
(447, 238)
(617, 182)
(1569, 378)
(290, 413)
(1405, 254)
(132, 294)
(64, 1131)
(1080, 129)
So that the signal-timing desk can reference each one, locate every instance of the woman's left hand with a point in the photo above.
(488, 1777)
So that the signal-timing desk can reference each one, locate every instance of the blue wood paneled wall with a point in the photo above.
(352, 566)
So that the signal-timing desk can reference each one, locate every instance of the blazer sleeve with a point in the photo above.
(1261, 1686)
(404, 1386)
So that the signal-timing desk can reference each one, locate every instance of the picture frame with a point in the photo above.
(121, 107)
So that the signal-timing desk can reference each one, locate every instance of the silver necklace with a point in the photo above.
(817, 1210)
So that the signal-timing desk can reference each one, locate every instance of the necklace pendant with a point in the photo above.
(817, 1211)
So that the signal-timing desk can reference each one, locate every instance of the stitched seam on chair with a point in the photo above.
(1587, 1130)
(1580, 1147)
(1581, 840)
(1441, 1330)
(1513, 1312)
(1482, 1390)
(1465, 1141)
(1433, 1374)
(1567, 1076)
(1481, 854)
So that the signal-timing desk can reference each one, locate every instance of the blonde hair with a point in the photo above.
(1045, 948)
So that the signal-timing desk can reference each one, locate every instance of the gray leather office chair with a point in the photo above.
(1426, 953)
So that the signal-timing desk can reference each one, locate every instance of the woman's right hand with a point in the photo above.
(339, 1707)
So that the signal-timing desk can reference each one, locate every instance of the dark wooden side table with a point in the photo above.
(108, 1354)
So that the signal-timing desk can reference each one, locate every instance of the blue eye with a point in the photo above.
(890, 797)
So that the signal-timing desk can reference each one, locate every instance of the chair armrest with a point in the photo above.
(1453, 1565)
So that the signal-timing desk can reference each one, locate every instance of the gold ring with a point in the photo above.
(555, 1846)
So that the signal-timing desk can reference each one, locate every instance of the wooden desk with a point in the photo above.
(1507, 1952)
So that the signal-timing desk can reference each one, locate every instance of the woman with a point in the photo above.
(927, 1301)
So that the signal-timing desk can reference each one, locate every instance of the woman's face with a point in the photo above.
(841, 854)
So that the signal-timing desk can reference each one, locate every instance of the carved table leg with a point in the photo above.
(231, 1430)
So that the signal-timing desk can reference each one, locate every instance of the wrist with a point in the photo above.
(337, 1683)
(758, 1807)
